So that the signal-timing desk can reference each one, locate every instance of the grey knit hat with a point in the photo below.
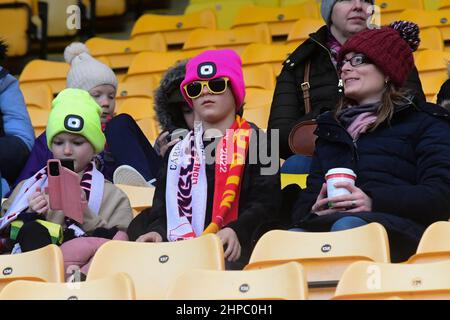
(326, 9)
(85, 71)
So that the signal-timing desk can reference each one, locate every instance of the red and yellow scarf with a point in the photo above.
(186, 191)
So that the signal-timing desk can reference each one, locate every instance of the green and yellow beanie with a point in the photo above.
(75, 111)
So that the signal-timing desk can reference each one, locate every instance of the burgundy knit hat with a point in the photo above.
(389, 48)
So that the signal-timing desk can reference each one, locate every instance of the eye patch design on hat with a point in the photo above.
(206, 70)
(73, 122)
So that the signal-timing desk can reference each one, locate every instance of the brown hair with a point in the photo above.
(391, 97)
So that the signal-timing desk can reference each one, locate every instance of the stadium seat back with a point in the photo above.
(150, 127)
(115, 287)
(137, 108)
(133, 89)
(257, 106)
(120, 53)
(174, 28)
(273, 54)
(48, 72)
(236, 39)
(301, 30)
(431, 39)
(279, 19)
(140, 197)
(44, 264)
(370, 280)
(434, 244)
(39, 119)
(225, 11)
(390, 9)
(15, 19)
(259, 77)
(284, 282)
(38, 96)
(108, 8)
(324, 255)
(155, 266)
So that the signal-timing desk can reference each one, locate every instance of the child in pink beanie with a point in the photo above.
(208, 184)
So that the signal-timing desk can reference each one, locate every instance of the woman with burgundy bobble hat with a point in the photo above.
(397, 145)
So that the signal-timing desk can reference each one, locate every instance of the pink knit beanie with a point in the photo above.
(212, 64)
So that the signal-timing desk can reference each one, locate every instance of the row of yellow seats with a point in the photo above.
(347, 259)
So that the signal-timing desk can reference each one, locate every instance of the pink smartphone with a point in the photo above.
(64, 191)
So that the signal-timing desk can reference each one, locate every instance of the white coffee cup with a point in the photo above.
(339, 175)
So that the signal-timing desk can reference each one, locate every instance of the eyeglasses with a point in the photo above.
(215, 86)
(355, 61)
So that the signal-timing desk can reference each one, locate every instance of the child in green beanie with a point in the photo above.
(74, 133)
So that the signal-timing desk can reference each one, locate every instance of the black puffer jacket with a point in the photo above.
(288, 106)
(403, 167)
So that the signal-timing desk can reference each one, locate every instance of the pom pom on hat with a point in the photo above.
(409, 31)
(85, 71)
(74, 50)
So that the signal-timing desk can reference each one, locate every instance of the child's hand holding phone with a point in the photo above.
(38, 202)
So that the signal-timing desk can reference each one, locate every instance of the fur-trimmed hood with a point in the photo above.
(169, 115)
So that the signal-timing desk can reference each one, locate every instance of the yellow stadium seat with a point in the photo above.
(302, 28)
(285, 282)
(431, 39)
(443, 4)
(434, 244)
(175, 29)
(267, 3)
(155, 266)
(45, 264)
(120, 53)
(38, 96)
(369, 280)
(48, 72)
(324, 255)
(390, 9)
(150, 128)
(225, 11)
(285, 3)
(289, 178)
(432, 67)
(259, 76)
(431, 84)
(140, 197)
(137, 108)
(257, 106)
(15, 21)
(236, 39)
(108, 8)
(132, 89)
(273, 54)
(280, 19)
(39, 119)
(115, 287)
(148, 67)
(429, 18)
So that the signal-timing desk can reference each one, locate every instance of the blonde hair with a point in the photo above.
(391, 97)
